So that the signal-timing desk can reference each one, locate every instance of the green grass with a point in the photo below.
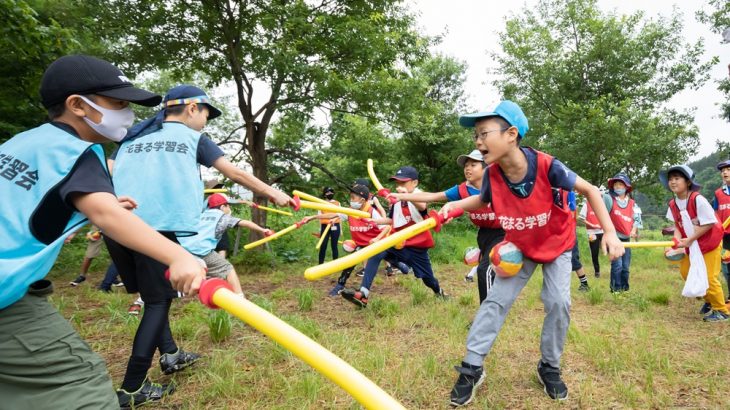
(647, 348)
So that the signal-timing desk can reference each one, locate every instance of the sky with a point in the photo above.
(470, 27)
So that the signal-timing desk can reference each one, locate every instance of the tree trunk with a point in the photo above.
(257, 149)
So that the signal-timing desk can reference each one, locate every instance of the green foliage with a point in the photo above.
(593, 86)
(305, 299)
(219, 325)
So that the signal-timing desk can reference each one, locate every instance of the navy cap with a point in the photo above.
(682, 169)
(84, 75)
(361, 190)
(620, 177)
(507, 110)
(188, 94)
(406, 173)
(723, 164)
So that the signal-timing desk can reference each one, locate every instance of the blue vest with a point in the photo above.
(160, 171)
(205, 240)
(33, 163)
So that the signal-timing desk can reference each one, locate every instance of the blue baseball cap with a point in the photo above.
(507, 110)
(406, 173)
(188, 94)
(723, 164)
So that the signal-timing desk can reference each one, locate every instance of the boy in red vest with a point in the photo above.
(595, 234)
(362, 231)
(528, 191)
(626, 217)
(695, 220)
(490, 232)
(721, 203)
(415, 251)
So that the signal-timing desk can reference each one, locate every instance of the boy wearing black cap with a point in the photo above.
(414, 252)
(721, 204)
(158, 164)
(53, 177)
(528, 190)
(697, 229)
(490, 231)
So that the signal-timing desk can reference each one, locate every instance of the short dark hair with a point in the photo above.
(679, 173)
(180, 108)
(57, 110)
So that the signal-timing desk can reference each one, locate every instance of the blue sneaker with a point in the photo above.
(715, 316)
(336, 290)
(705, 309)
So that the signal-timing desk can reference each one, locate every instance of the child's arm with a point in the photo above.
(610, 243)
(104, 211)
(699, 231)
(324, 216)
(252, 226)
(251, 182)
(471, 203)
(424, 197)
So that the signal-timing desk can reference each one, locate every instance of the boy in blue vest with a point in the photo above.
(51, 178)
(159, 164)
(528, 190)
(415, 250)
(212, 226)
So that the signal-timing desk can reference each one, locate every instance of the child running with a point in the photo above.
(158, 164)
(528, 191)
(696, 229)
(415, 250)
(490, 232)
(53, 177)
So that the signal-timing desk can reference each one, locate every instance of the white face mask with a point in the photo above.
(114, 123)
(355, 205)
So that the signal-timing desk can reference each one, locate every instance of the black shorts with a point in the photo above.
(223, 244)
(140, 273)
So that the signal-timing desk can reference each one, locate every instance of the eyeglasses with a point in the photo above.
(482, 136)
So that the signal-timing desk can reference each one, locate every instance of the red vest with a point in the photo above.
(423, 239)
(711, 239)
(723, 207)
(591, 216)
(483, 217)
(540, 229)
(622, 218)
(361, 231)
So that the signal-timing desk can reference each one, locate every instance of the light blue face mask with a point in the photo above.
(619, 192)
(355, 205)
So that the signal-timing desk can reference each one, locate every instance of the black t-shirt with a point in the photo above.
(54, 212)
(206, 154)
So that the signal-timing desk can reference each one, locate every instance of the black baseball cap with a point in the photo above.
(406, 173)
(360, 190)
(82, 74)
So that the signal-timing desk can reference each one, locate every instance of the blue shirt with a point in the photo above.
(559, 175)
(452, 194)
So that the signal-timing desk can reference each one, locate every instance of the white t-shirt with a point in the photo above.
(705, 213)
(583, 214)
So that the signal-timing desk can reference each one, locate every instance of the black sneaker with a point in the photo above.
(705, 309)
(598, 274)
(117, 283)
(443, 295)
(584, 287)
(355, 297)
(174, 362)
(79, 280)
(550, 378)
(470, 377)
(389, 271)
(360, 273)
(147, 393)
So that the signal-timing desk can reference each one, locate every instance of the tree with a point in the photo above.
(594, 86)
(335, 55)
(719, 21)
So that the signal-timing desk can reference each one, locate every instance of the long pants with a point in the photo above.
(492, 313)
(620, 271)
(44, 363)
(486, 239)
(595, 252)
(416, 258)
(714, 295)
(575, 264)
(333, 235)
(111, 274)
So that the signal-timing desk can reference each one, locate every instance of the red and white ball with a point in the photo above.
(349, 246)
(506, 258)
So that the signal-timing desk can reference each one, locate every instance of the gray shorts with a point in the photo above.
(218, 266)
(93, 248)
